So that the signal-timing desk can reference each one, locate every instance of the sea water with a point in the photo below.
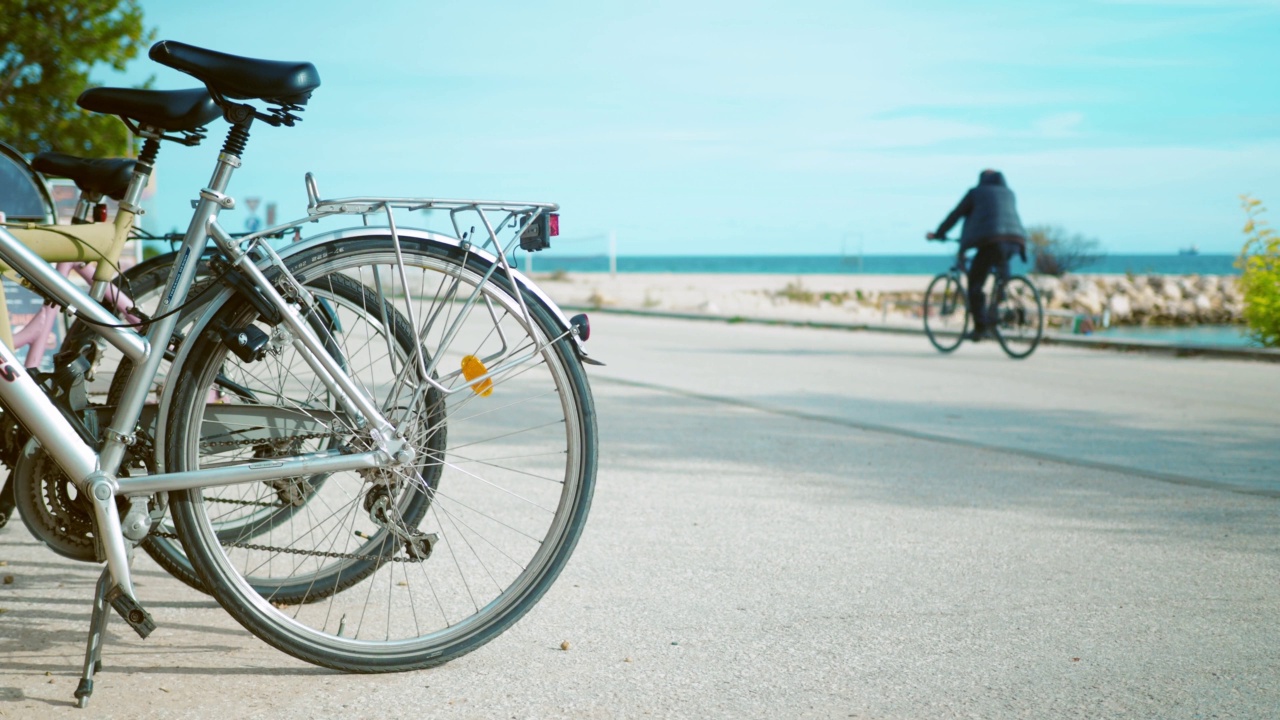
(550, 261)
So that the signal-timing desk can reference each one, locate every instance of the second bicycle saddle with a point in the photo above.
(168, 110)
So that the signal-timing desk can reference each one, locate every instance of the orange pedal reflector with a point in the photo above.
(472, 368)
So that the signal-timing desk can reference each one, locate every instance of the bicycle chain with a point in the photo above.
(260, 441)
(271, 548)
(251, 503)
(293, 551)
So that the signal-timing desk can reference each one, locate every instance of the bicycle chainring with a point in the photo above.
(52, 507)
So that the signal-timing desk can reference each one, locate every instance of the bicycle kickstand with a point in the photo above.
(108, 593)
(97, 633)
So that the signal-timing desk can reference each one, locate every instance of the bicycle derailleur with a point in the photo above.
(382, 510)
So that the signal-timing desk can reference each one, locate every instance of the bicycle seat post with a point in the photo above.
(129, 209)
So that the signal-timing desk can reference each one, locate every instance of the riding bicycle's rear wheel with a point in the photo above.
(442, 555)
(1019, 317)
(946, 312)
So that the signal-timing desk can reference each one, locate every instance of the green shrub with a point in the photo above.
(1259, 264)
(797, 293)
(1056, 252)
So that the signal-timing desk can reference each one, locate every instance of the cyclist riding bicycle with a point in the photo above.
(992, 226)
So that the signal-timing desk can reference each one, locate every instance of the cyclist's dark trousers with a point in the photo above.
(994, 256)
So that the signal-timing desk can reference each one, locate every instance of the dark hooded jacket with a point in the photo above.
(990, 215)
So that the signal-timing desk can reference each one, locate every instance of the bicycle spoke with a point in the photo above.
(412, 559)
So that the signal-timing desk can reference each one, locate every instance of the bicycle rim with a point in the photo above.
(510, 492)
(1019, 317)
(946, 314)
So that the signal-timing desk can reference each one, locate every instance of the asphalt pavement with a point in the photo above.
(796, 522)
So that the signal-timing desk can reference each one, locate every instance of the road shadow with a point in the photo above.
(861, 462)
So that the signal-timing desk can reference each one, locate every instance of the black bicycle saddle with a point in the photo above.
(241, 78)
(168, 110)
(99, 176)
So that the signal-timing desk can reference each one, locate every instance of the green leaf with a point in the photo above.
(47, 50)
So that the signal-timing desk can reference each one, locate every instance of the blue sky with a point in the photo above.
(804, 127)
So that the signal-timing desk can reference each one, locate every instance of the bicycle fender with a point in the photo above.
(488, 259)
(212, 303)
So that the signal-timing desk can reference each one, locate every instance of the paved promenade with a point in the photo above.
(811, 523)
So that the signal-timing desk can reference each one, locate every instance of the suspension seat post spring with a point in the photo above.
(142, 172)
(150, 149)
(237, 139)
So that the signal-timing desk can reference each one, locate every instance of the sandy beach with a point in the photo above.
(853, 299)
(895, 300)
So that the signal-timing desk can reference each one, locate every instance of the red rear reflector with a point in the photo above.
(555, 224)
(582, 325)
(100, 212)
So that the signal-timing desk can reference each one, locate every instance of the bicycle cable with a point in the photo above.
(213, 283)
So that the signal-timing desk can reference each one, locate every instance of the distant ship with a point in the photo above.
(1189, 250)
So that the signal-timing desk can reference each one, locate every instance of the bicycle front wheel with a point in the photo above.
(409, 567)
(946, 313)
(1019, 317)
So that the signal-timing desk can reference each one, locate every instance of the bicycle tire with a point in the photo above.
(142, 283)
(1019, 322)
(529, 463)
(944, 301)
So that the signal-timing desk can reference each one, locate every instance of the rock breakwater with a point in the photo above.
(1119, 299)
(1147, 299)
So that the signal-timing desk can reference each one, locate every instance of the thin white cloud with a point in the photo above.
(1061, 125)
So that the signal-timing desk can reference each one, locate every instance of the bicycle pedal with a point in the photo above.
(129, 609)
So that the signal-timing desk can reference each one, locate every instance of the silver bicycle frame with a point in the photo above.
(95, 473)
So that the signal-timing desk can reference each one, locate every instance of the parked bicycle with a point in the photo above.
(92, 247)
(132, 295)
(419, 405)
(1013, 305)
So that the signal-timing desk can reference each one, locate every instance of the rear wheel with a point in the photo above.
(435, 558)
(946, 314)
(1019, 317)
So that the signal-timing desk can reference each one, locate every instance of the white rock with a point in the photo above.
(1090, 300)
(1120, 307)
